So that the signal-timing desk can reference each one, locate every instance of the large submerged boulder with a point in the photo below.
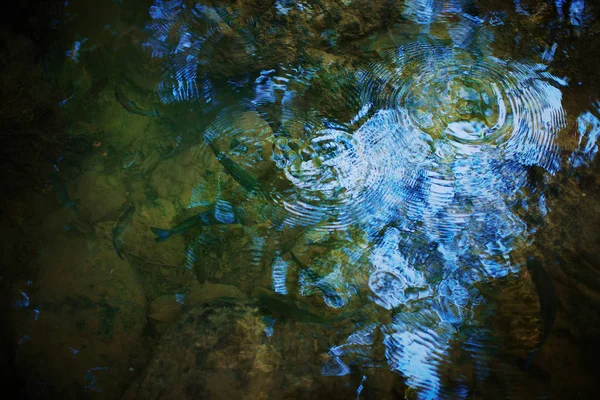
(101, 195)
(138, 239)
(191, 178)
(214, 352)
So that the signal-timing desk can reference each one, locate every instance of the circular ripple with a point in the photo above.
(448, 134)
(342, 178)
(465, 99)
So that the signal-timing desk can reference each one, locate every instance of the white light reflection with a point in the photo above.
(588, 131)
(430, 177)
(434, 187)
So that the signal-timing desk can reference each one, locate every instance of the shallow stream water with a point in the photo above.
(282, 199)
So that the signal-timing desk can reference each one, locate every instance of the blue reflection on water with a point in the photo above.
(74, 52)
(434, 187)
(279, 271)
(429, 171)
(269, 323)
(180, 298)
(186, 39)
(91, 379)
(461, 203)
(588, 131)
(190, 257)
(24, 340)
(22, 300)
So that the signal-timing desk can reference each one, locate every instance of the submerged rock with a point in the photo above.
(165, 308)
(221, 351)
(139, 241)
(246, 138)
(190, 179)
(101, 195)
(213, 352)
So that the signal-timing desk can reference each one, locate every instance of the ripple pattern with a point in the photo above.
(186, 36)
(426, 176)
(434, 176)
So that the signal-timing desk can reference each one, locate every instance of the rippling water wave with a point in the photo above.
(432, 176)
(186, 36)
(369, 176)
(421, 173)
(463, 128)
(430, 172)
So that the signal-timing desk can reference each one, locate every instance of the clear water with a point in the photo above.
(284, 199)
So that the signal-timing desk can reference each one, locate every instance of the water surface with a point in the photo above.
(287, 199)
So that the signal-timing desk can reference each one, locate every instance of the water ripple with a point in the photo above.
(467, 128)
(425, 176)
(433, 174)
(186, 37)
